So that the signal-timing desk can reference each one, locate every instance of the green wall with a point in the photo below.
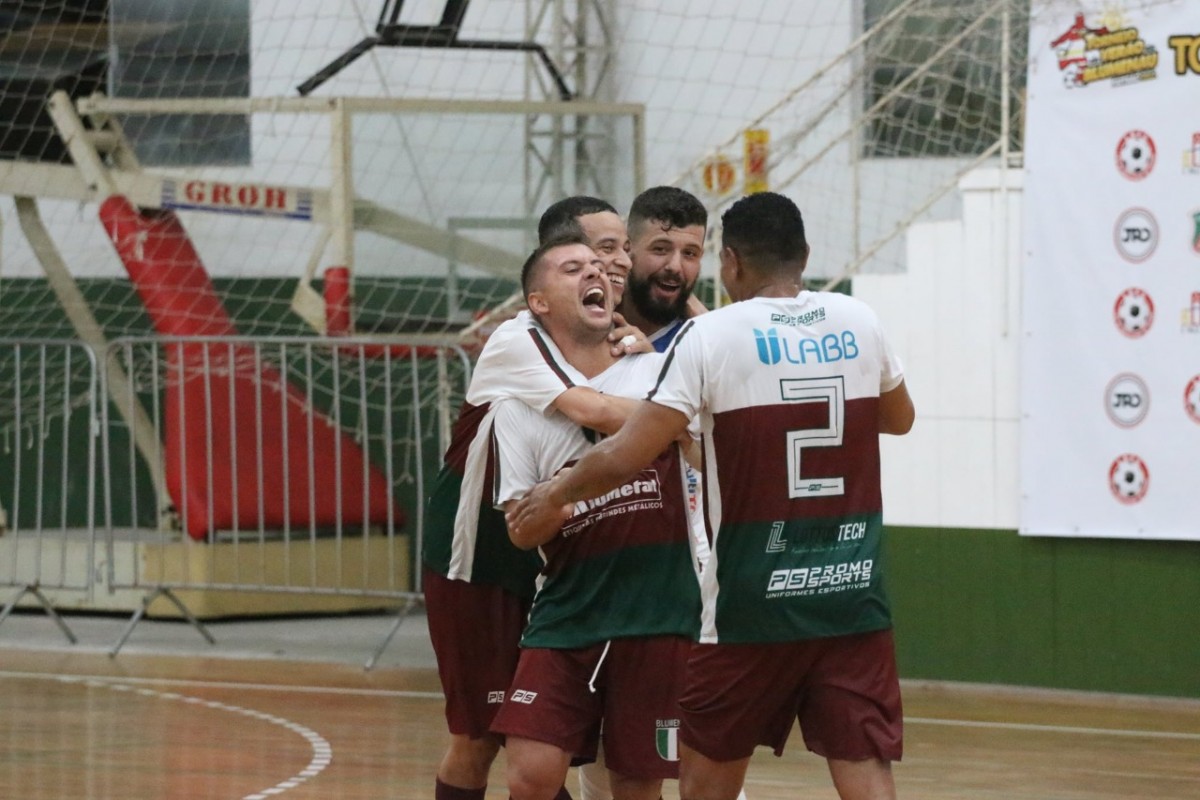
(990, 606)
(970, 605)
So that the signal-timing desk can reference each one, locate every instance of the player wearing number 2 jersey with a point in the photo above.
(793, 389)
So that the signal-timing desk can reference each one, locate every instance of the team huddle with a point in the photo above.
(653, 545)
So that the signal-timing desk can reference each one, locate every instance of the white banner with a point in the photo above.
(1110, 354)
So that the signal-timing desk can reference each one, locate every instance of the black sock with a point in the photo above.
(444, 791)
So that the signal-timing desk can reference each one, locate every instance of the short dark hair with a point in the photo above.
(529, 268)
(766, 230)
(562, 218)
(669, 206)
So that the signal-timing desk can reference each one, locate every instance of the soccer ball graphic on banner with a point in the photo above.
(1129, 478)
(1191, 399)
(1133, 312)
(1135, 155)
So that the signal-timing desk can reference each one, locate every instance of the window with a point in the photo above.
(183, 48)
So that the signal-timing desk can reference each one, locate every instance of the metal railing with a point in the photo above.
(294, 466)
(49, 421)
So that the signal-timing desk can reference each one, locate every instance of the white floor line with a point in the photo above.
(266, 687)
(322, 752)
(257, 687)
(1030, 726)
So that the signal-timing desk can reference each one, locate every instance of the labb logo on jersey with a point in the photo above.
(773, 348)
(666, 739)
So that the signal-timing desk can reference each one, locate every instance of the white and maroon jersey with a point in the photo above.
(465, 537)
(787, 391)
(622, 565)
(520, 360)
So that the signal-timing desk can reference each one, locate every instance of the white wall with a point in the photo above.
(954, 318)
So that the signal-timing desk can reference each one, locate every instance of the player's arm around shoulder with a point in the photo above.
(589, 408)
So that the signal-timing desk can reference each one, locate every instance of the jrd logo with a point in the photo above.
(1127, 400)
(1136, 235)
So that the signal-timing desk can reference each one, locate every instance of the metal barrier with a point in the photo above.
(296, 467)
(294, 471)
(48, 467)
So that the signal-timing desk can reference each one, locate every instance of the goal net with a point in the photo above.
(375, 167)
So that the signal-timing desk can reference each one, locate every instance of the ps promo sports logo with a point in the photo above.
(495, 697)
(1191, 399)
(1133, 313)
(523, 696)
(1129, 478)
(1136, 155)
(1127, 400)
(1136, 235)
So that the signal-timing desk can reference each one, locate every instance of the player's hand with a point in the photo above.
(627, 339)
(537, 517)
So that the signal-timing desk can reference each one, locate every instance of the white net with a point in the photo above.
(413, 157)
(870, 111)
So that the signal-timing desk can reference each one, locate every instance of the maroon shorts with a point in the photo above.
(476, 633)
(636, 695)
(843, 689)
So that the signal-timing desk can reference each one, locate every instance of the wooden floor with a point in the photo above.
(87, 727)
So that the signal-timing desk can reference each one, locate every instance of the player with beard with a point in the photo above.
(666, 231)
(796, 623)
(667, 226)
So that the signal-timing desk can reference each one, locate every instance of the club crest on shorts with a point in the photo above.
(666, 739)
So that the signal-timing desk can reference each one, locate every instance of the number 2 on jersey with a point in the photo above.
(832, 393)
